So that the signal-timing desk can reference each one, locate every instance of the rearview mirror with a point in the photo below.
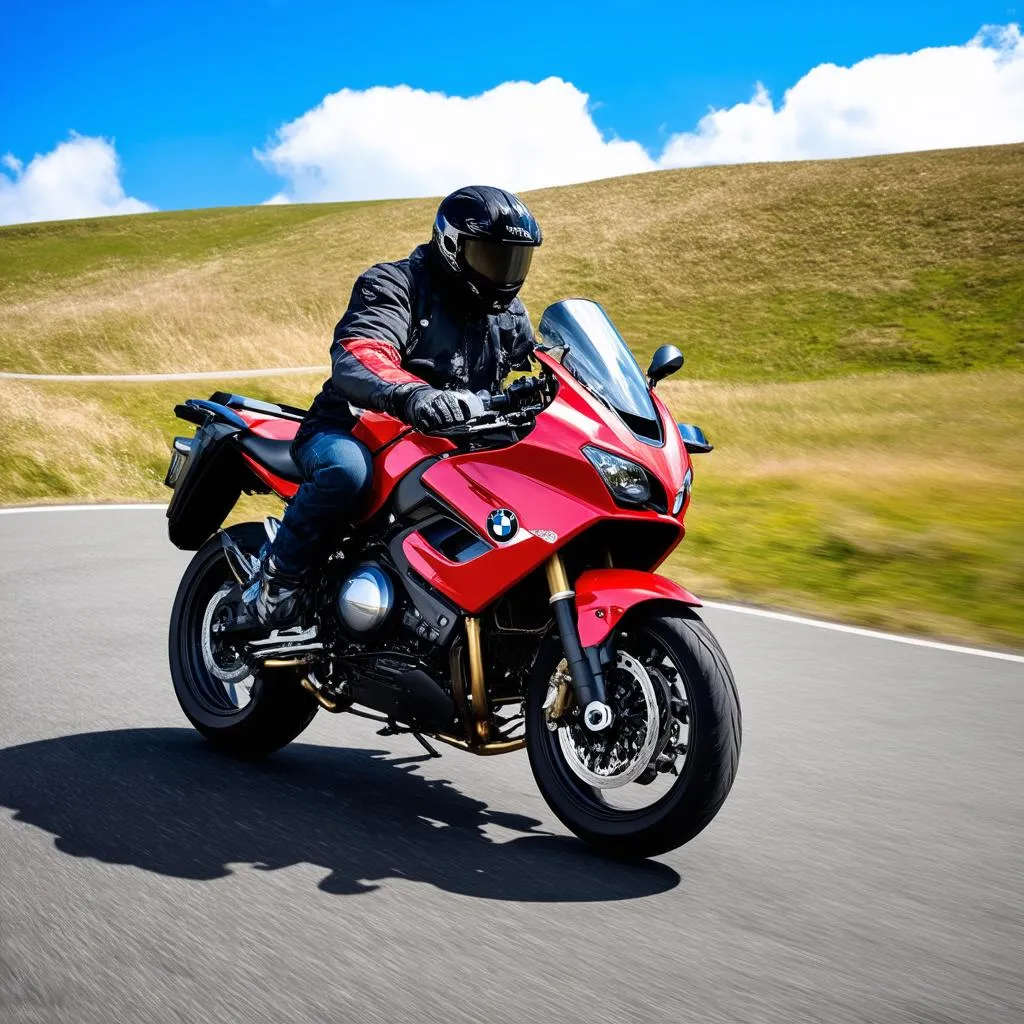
(664, 363)
(695, 441)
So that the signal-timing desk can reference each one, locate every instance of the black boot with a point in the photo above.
(274, 597)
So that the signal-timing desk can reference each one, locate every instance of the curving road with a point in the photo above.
(867, 866)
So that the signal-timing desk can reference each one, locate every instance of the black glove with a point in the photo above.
(431, 409)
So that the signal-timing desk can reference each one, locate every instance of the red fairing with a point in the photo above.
(394, 462)
(591, 422)
(548, 483)
(603, 596)
(545, 479)
(676, 457)
(376, 429)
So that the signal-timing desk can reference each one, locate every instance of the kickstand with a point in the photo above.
(394, 729)
(426, 746)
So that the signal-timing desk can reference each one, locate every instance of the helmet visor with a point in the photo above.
(502, 265)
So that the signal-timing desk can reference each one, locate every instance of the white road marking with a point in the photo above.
(149, 378)
(799, 620)
(874, 634)
(19, 510)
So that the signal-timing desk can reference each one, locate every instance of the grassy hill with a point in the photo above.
(854, 333)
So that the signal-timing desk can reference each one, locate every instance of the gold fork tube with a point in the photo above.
(558, 582)
(477, 688)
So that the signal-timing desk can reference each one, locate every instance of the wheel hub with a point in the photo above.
(621, 753)
(222, 662)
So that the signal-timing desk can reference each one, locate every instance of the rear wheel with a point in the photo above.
(661, 771)
(236, 704)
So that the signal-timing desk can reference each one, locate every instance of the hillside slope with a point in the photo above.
(854, 333)
(773, 271)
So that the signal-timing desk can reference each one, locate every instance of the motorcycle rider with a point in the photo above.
(420, 337)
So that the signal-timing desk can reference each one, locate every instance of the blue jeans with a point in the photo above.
(337, 470)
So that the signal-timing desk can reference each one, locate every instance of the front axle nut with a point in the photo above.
(597, 716)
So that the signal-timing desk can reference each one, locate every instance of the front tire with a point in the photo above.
(266, 708)
(700, 691)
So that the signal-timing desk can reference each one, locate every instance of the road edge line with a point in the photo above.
(17, 510)
(873, 634)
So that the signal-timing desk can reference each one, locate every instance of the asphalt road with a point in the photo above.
(868, 865)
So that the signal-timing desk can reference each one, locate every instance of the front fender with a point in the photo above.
(603, 596)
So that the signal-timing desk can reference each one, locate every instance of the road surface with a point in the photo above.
(868, 865)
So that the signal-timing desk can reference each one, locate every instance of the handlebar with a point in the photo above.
(513, 407)
(518, 395)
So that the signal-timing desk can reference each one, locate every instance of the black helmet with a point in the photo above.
(485, 238)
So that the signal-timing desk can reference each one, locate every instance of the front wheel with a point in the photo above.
(242, 707)
(662, 770)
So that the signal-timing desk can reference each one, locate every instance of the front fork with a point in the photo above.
(585, 667)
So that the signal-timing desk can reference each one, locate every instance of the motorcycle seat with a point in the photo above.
(272, 454)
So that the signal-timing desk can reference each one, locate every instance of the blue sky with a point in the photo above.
(187, 90)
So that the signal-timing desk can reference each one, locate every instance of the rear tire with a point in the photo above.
(711, 759)
(278, 708)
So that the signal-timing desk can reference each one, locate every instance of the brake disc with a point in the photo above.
(226, 666)
(618, 755)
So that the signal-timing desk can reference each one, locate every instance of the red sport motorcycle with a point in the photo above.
(496, 591)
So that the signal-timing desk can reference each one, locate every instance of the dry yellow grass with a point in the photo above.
(73, 444)
(763, 272)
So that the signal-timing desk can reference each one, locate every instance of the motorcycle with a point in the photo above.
(497, 591)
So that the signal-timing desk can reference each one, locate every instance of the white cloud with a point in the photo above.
(942, 97)
(398, 141)
(388, 142)
(79, 178)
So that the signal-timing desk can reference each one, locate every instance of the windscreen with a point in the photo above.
(579, 333)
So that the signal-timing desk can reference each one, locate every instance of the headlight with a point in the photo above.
(683, 491)
(626, 480)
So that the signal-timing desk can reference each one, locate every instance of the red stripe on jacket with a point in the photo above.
(381, 359)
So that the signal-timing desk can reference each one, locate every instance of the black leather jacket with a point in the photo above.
(404, 329)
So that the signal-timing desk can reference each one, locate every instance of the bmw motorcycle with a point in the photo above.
(496, 592)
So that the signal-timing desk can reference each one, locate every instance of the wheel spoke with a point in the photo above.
(639, 759)
(223, 678)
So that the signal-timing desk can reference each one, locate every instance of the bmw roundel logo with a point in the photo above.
(502, 524)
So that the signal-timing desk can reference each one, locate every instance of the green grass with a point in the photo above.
(761, 272)
(896, 501)
(854, 333)
(41, 256)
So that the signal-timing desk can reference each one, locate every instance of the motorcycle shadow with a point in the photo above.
(163, 800)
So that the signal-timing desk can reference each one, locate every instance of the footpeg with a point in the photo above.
(281, 644)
